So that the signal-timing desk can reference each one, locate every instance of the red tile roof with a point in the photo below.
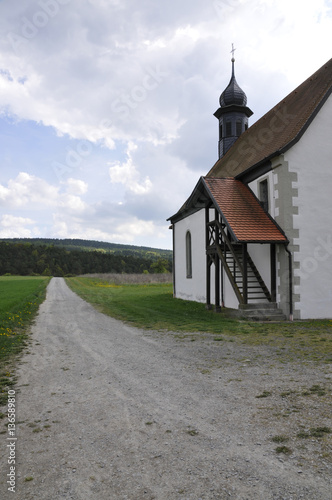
(242, 211)
(281, 127)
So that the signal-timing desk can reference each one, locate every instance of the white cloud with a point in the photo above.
(140, 77)
(105, 66)
(127, 174)
(28, 189)
(136, 228)
(76, 186)
(105, 228)
(109, 51)
(66, 214)
(4, 193)
(72, 204)
(284, 34)
(15, 227)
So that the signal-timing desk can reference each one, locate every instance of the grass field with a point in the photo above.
(152, 306)
(20, 298)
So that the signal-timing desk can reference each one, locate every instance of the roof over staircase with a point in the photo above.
(243, 214)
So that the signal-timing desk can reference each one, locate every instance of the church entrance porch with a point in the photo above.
(241, 240)
(232, 261)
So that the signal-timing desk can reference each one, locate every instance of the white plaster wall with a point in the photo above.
(311, 159)
(260, 254)
(230, 299)
(190, 288)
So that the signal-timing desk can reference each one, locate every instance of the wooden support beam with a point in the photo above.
(222, 284)
(217, 285)
(273, 272)
(245, 273)
(208, 260)
(217, 268)
(174, 282)
(208, 282)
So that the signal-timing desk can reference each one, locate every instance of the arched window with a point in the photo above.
(188, 255)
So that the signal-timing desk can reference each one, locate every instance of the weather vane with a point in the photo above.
(233, 50)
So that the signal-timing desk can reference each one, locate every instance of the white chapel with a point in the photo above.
(256, 233)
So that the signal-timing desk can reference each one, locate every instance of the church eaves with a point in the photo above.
(278, 129)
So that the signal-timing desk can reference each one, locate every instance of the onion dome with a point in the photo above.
(233, 94)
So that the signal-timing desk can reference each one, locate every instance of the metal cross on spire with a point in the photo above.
(232, 51)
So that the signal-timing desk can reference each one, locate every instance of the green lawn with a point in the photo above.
(20, 298)
(148, 306)
(152, 306)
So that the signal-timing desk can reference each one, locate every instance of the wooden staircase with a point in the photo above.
(259, 306)
(256, 302)
(255, 299)
(257, 290)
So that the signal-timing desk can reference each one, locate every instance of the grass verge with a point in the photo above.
(20, 298)
(152, 306)
(149, 306)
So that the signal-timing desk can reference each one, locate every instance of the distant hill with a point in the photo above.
(91, 245)
(60, 257)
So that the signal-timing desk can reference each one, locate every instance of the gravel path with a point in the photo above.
(106, 411)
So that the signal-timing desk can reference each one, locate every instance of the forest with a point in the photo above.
(25, 258)
(102, 246)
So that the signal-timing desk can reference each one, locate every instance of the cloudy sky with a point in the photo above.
(106, 106)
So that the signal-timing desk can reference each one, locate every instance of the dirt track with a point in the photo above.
(108, 411)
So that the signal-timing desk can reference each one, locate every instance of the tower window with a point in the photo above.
(228, 129)
(264, 194)
(220, 132)
(238, 128)
(188, 255)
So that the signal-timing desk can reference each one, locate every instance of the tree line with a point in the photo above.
(103, 246)
(48, 260)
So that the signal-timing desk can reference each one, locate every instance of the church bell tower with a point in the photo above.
(233, 113)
